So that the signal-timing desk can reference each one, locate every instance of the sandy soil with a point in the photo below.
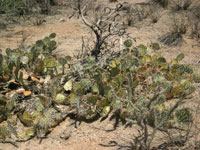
(97, 135)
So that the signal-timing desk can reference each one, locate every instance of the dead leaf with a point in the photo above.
(20, 90)
(35, 79)
(27, 93)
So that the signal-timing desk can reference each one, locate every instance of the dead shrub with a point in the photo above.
(179, 27)
(155, 13)
(195, 29)
(163, 3)
(171, 39)
(180, 5)
(77, 5)
(136, 12)
(112, 0)
(196, 12)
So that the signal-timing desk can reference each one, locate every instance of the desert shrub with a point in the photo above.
(171, 39)
(78, 5)
(135, 86)
(14, 73)
(196, 11)
(194, 19)
(12, 6)
(21, 7)
(178, 5)
(112, 0)
(179, 27)
(163, 3)
(155, 13)
(137, 12)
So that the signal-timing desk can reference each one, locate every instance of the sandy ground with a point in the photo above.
(97, 135)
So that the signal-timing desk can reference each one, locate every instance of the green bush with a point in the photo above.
(135, 86)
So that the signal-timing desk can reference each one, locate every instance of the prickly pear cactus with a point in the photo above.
(38, 92)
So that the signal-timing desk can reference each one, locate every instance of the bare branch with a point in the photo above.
(84, 19)
(104, 27)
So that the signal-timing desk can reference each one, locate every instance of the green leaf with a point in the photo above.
(135, 51)
(52, 45)
(190, 90)
(162, 60)
(105, 111)
(77, 88)
(128, 43)
(39, 106)
(196, 78)
(142, 49)
(158, 77)
(183, 115)
(49, 62)
(60, 99)
(27, 133)
(4, 133)
(39, 43)
(103, 103)
(85, 84)
(155, 46)
(62, 61)
(93, 99)
(186, 83)
(46, 40)
(8, 51)
(189, 69)
(148, 58)
(52, 35)
(26, 118)
(180, 57)
(178, 91)
(114, 72)
(68, 58)
(68, 85)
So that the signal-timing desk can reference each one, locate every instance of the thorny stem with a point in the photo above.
(166, 118)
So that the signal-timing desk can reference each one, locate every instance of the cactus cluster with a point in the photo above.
(39, 92)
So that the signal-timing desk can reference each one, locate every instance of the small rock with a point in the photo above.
(65, 135)
(61, 20)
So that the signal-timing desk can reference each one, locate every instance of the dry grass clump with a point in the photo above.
(112, 0)
(180, 5)
(179, 27)
(25, 7)
(139, 12)
(185, 18)
(163, 3)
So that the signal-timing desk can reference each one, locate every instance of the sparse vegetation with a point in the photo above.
(112, 0)
(163, 3)
(22, 7)
(179, 28)
(178, 5)
(134, 86)
(105, 28)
